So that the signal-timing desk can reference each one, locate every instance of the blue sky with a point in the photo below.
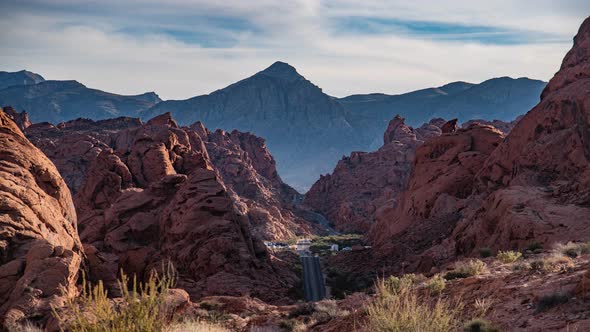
(182, 48)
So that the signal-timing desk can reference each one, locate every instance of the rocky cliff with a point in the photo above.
(148, 193)
(248, 169)
(40, 251)
(471, 188)
(365, 183)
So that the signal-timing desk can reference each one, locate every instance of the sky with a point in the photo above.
(184, 48)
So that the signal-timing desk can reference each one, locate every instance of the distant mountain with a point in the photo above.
(57, 101)
(501, 98)
(306, 130)
(22, 77)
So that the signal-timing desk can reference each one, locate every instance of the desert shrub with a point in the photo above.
(395, 284)
(327, 310)
(403, 310)
(534, 246)
(482, 306)
(552, 263)
(436, 285)
(343, 283)
(24, 327)
(551, 300)
(485, 252)
(508, 256)
(142, 306)
(302, 309)
(521, 266)
(289, 325)
(195, 326)
(470, 268)
(479, 325)
(572, 249)
(210, 305)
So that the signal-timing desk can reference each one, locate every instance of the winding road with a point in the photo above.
(313, 278)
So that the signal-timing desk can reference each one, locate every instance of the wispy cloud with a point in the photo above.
(182, 48)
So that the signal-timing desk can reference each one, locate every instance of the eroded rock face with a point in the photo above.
(74, 145)
(504, 127)
(441, 184)
(534, 186)
(40, 252)
(248, 169)
(21, 119)
(364, 184)
(154, 197)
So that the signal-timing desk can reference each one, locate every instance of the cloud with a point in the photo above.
(186, 48)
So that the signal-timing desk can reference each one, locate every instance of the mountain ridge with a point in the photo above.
(306, 129)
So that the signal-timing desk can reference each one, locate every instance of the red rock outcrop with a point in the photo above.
(534, 186)
(248, 169)
(154, 198)
(21, 119)
(365, 183)
(40, 252)
(450, 127)
(504, 127)
(74, 145)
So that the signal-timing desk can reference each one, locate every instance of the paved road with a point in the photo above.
(313, 278)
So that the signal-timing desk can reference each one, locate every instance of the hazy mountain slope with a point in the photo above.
(502, 98)
(306, 130)
(22, 77)
(57, 101)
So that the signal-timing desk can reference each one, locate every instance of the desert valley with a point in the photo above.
(270, 205)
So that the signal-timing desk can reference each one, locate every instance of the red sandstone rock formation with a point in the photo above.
(21, 119)
(40, 251)
(154, 198)
(248, 169)
(504, 127)
(465, 193)
(364, 184)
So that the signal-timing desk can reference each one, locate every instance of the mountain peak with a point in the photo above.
(281, 70)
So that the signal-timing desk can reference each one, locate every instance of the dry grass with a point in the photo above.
(553, 263)
(436, 285)
(482, 306)
(24, 327)
(507, 257)
(141, 309)
(195, 326)
(401, 309)
(573, 249)
(466, 269)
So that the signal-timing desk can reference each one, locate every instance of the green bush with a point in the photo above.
(508, 256)
(485, 252)
(480, 325)
(534, 246)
